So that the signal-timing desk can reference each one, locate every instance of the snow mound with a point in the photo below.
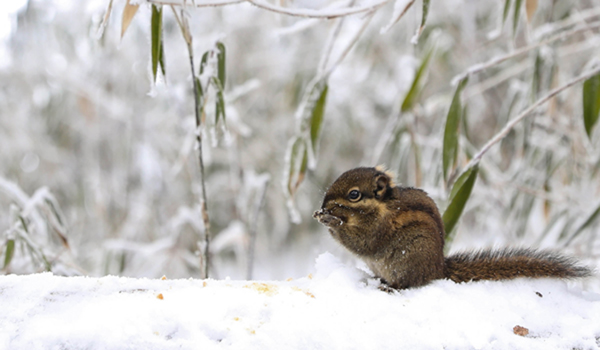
(340, 307)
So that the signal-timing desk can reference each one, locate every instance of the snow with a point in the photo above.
(340, 307)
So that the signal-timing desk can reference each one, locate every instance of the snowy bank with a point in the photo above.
(339, 307)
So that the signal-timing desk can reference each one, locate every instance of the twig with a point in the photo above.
(350, 44)
(184, 26)
(329, 45)
(323, 13)
(474, 69)
(511, 124)
(253, 226)
(213, 3)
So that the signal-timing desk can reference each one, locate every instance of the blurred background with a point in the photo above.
(99, 168)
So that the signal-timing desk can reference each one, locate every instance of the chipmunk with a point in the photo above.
(399, 233)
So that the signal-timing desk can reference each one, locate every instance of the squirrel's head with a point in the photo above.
(355, 200)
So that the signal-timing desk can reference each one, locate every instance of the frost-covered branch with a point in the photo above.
(511, 124)
(326, 13)
(322, 13)
(204, 246)
(476, 68)
(193, 3)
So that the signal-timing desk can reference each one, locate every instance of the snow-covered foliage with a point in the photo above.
(99, 170)
(336, 307)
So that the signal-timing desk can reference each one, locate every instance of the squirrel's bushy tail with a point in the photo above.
(511, 263)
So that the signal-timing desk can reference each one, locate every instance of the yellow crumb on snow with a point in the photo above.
(265, 288)
(163, 277)
(297, 289)
(160, 296)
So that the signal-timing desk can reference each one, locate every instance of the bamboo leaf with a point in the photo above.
(589, 221)
(461, 191)
(415, 88)
(530, 7)
(297, 167)
(424, 15)
(9, 253)
(200, 96)
(591, 103)
(161, 57)
(128, 13)
(451, 132)
(220, 103)
(316, 120)
(538, 66)
(221, 63)
(105, 19)
(203, 62)
(506, 10)
(157, 43)
(516, 15)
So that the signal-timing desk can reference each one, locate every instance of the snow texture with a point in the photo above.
(340, 307)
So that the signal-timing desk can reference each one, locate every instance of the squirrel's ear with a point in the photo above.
(382, 182)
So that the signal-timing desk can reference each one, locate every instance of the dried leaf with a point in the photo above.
(530, 7)
(128, 13)
(522, 331)
(105, 19)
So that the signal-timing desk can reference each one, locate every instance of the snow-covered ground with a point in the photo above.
(337, 307)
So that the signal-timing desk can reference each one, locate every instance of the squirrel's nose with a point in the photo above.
(320, 212)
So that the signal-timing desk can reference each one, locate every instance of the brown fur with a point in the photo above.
(399, 233)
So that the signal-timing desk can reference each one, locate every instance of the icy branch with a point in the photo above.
(476, 68)
(323, 13)
(511, 124)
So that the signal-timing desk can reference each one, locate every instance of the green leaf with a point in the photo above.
(459, 195)
(298, 146)
(517, 15)
(157, 42)
(451, 132)
(316, 119)
(589, 221)
(220, 104)
(221, 63)
(538, 66)
(424, 15)
(203, 62)
(9, 253)
(506, 10)
(200, 96)
(415, 88)
(591, 103)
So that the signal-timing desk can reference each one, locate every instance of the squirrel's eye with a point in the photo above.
(354, 195)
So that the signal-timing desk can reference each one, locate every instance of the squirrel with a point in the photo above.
(399, 233)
